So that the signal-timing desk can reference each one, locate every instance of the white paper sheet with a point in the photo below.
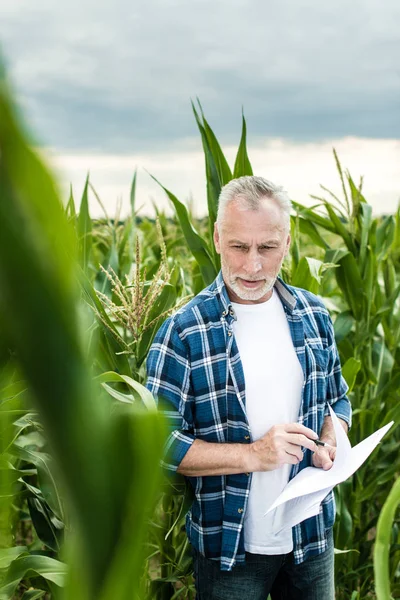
(303, 495)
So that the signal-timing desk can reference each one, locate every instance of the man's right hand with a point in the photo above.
(281, 445)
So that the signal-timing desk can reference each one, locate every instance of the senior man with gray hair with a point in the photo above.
(245, 373)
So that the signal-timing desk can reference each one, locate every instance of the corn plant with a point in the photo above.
(384, 535)
(106, 457)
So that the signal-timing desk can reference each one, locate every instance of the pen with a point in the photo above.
(319, 443)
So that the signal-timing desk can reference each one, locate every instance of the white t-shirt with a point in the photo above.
(273, 385)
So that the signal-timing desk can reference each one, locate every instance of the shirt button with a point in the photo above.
(240, 510)
(248, 474)
(229, 333)
(246, 437)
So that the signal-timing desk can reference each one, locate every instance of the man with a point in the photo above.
(244, 373)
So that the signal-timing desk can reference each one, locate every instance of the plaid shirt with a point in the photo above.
(195, 373)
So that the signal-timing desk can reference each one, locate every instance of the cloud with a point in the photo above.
(117, 78)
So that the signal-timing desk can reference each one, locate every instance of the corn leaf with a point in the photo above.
(165, 301)
(38, 308)
(242, 162)
(365, 216)
(308, 228)
(213, 180)
(308, 274)
(223, 170)
(385, 235)
(350, 282)
(84, 228)
(314, 217)
(70, 210)
(196, 244)
(143, 393)
(344, 323)
(33, 594)
(340, 228)
(350, 369)
(31, 565)
(132, 195)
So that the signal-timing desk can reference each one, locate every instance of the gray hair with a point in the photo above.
(249, 190)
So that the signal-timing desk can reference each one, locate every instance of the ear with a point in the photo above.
(216, 239)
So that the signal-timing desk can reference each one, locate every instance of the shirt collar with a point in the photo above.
(285, 294)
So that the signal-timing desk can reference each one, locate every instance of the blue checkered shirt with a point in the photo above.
(196, 375)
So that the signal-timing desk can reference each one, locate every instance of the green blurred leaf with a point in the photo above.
(350, 370)
(340, 227)
(31, 565)
(70, 208)
(38, 304)
(383, 542)
(385, 235)
(335, 255)
(33, 594)
(370, 276)
(127, 398)
(337, 551)
(308, 274)
(383, 363)
(344, 323)
(45, 467)
(142, 436)
(132, 195)
(308, 228)
(48, 528)
(366, 222)
(313, 217)
(350, 282)
(7, 555)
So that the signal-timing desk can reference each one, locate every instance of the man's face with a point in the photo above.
(252, 245)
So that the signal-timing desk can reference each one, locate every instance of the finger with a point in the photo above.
(301, 440)
(327, 464)
(291, 459)
(294, 450)
(302, 429)
(321, 459)
(324, 458)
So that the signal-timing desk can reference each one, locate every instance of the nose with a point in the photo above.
(253, 263)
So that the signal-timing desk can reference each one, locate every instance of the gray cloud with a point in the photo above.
(118, 78)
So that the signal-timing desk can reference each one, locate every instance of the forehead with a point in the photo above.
(241, 222)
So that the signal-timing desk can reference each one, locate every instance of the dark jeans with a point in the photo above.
(277, 575)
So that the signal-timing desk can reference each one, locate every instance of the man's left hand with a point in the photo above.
(323, 457)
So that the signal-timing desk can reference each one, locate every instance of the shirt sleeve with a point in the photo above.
(168, 379)
(337, 387)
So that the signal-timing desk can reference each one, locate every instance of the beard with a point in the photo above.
(243, 293)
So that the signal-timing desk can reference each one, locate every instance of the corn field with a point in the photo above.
(84, 511)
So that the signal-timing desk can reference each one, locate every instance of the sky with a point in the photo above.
(106, 88)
